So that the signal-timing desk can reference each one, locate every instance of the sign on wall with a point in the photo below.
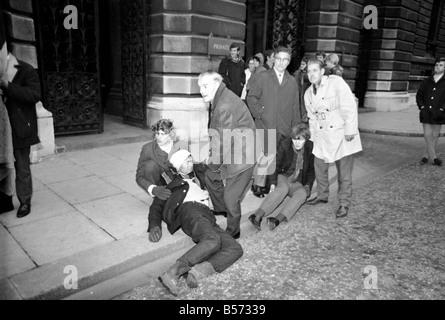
(221, 46)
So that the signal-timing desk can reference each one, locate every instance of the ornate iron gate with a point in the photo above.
(69, 66)
(286, 27)
(135, 61)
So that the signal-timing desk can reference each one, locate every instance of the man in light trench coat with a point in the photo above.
(333, 121)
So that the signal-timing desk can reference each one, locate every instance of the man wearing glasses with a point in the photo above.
(273, 100)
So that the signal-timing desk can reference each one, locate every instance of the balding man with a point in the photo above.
(232, 148)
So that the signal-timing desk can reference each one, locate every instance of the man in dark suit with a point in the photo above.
(187, 207)
(232, 70)
(232, 148)
(20, 85)
(274, 102)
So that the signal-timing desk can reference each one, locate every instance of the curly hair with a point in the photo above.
(165, 125)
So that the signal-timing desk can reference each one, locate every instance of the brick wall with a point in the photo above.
(333, 27)
(19, 22)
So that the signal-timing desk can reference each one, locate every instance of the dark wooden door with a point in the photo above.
(274, 23)
(69, 65)
(286, 25)
(135, 61)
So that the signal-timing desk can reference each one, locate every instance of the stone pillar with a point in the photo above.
(391, 55)
(333, 27)
(20, 27)
(179, 41)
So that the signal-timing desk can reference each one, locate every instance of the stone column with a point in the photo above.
(179, 41)
(20, 27)
(333, 27)
(391, 55)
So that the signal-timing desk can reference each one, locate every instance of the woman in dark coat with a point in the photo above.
(431, 102)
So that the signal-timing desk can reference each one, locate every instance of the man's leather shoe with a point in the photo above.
(316, 201)
(437, 162)
(341, 212)
(256, 190)
(272, 223)
(256, 223)
(170, 283)
(265, 190)
(237, 236)
(191, 280)
(24, 210)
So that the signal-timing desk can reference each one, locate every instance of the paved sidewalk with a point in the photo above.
(402, 123)
(88, 211)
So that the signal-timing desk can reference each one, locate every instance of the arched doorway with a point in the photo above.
(99, 68)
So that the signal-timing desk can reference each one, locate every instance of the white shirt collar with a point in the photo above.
(167, 148)
(278, 73)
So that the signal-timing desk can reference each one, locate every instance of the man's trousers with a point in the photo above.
(344, 175)
(213, 244)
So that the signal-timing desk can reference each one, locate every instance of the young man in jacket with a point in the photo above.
(188, 208)
(20, 86)
(232, 70)
(430, 99)
(294, 181)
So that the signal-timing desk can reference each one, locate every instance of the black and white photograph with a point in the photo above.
(226, 157)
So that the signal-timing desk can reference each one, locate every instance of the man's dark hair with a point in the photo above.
(442, 59)
(321, 53)
(269, 53)
(165, 125)
(316, 61)
(256, 59)
(301, 129)
(284, 49)
(235, 45)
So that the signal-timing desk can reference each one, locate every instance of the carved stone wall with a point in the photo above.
(70, 66)
(179, 39)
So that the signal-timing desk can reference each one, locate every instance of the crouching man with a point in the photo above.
(188, 208)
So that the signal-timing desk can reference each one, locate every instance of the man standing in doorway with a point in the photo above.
(232, 70)
(232, 149)
(333, 121)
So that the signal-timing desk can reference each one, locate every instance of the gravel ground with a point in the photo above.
(395, 228)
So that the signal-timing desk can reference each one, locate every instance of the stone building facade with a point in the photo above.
(150, 53)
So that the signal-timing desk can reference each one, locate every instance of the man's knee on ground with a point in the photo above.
(238, 250)
(212, 240)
